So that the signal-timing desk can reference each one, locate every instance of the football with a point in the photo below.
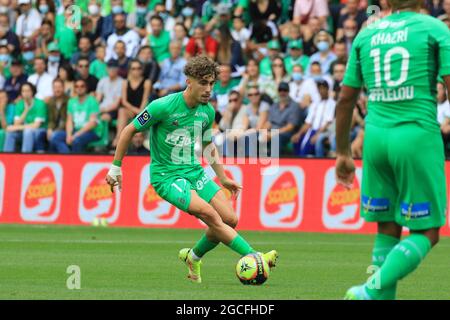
(252, 269)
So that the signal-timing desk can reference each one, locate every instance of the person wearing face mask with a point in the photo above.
(7, 37)
(54, 59)
(96, 19)
(350, 11)
(324, 42)
(109, 26)
(137, 20)
(47, 10)
(301, 90)
(5, 62)
(189, 15)
(29, 21)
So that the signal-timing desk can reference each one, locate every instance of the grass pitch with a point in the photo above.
(119, 263)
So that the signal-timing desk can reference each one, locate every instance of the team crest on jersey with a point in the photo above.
(144, 117)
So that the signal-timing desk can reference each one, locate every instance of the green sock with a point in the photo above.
(403, 259)
(203, 246)
(382, 246)
(239, 245)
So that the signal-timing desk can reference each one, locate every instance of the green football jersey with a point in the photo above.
(174, 129)
(38, 111)
(398, 59)
(81, 112)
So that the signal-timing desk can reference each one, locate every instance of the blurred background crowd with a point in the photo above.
(74, 73)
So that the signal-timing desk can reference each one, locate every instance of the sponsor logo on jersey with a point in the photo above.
(2, 185)
(375, 204)
(144, 117)
(282, 198)
(40, 197)
(152, 208)
(340, 209)
(96, 198)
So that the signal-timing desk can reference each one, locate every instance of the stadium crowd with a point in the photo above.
(74, 73)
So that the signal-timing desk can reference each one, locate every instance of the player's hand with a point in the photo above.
(114, 177)
(345, 170)
(232, 186)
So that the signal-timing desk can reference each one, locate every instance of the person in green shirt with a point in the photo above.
(30, 122)
(159, 39)
(224, 86)
(82, 124)
(265, 65)
(397, 59)
(65, 35)
(98, 67)
(176, 122)
(296, 56)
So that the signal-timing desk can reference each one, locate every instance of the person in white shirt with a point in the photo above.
(29, 21)
(301, 90)
(129, 37)
(320, 117)
(239, 32)
(42, 80)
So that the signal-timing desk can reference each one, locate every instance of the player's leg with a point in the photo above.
(420, 177)
(379, 197)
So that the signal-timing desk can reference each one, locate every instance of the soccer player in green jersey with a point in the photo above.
(398, 59)
(175, 122)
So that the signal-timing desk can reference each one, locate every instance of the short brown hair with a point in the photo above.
(201, 66)
(404, 4)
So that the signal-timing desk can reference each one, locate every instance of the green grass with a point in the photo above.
(119, 263)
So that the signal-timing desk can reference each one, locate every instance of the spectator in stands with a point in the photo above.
(180, 34)
(224, 86)
(82, 124)
(84, 46)
(151, 67)
(284, 118)
(137, 145)
(65, 33)
(272, 83)
(57, 115)
(135, 94)
(47, 10)
(109, 92)
(240, 32)
(232, 124)
(120, 50)
(260, 34)
(98, 67)
(6, 116)
(317, 122)
(168, 21)
(54, 59)
(349, 33)
(42, 80)
(268, 10)
(15, 81)
(189, 15)
(338, 72)
(5, 59)
(274, 50)
(443, 112)
(137, 20)
(255, 119)
(7, 37)
(44, 38)
(229, 51)
(302, 90)
(351, 11)
(30, 122)
(446, 7)
(158, 39)
(434, 7)
(97, 21)
(67, 75)
(83, 73)
(172, 78)
(220, 16)
(129, 37)
(201, 43)
(317, 74)
(341, 51)
(296, 56)
(29, 22)
(324, 42)
(250, 77)
(304, 10)
(109, 24)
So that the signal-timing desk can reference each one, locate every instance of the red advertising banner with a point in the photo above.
(297, 195)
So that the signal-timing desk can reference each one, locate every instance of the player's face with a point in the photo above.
(201, 89)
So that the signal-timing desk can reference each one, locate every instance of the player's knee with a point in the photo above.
(232, 221)
(209, 216)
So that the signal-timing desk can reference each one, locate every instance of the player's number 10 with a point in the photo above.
(376, 55)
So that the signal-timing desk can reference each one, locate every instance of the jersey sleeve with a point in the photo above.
(353, 74)
(442, 33)
(153, 113)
